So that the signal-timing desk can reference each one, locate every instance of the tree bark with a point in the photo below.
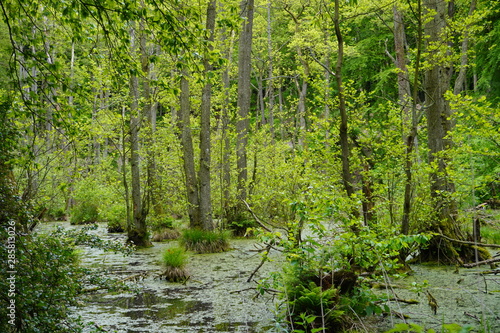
(205, 146)
(407, 102)
(436, 82)
(270, 85)
(244, 96)
(460, 81)
(138, 233)
(343, 130)
(188, 154)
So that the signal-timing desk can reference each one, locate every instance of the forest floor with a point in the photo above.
(218, 298)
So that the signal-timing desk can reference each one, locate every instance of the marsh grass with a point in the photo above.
(203, 241)
(175, 260)
(491, 234)
(165, 234)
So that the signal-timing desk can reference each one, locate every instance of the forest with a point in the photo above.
(348, 139)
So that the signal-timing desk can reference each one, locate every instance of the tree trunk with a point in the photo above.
(407, 104)
(270, 85)
(436, 83)
(225, 166)
(244, 97)
(205, 147)
(460, 81)
(188, 154)
(343, 130)
(138, 233)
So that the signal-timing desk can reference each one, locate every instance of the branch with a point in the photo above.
(469, 243)
(259, 222)
(484, 262)
(264, 259)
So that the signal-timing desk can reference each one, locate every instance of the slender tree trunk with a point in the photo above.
(150, 114)
(244, 97)
(436, 83)
(407, 104)
(205, 146)
(343, 131)
(138, 233)
(270, 85)
(188, 154)
(225, 138)
(460, 81)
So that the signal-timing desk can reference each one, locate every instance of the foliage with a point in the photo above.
(49, 279)
(116, 217)
(322, 278)
(203, 241)
(84, 213)
(160, 222)
(446, 328)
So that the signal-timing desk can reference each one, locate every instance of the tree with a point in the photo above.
(343, 129)
(137, 232)
(244, 96)
(205, 147)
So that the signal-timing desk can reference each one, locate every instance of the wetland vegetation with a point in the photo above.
(249, 166)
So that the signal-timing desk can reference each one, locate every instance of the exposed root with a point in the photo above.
(174, 274)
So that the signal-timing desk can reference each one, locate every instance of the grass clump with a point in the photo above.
(175, 260)
(163, 228)
(205, 241)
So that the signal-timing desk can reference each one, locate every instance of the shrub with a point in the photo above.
(240, 228)
(48, 281)
(84, 213)
(160, 222)
(204, 241)
(165, 234)
(116, 216)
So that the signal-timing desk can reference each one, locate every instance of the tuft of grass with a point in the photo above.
(175, 257)
(204, 241)
(165, 234)
(175, 260)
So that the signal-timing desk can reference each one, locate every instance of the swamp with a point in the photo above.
(294, 166)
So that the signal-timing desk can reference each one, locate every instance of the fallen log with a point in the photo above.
(468, 242)
(483, 262)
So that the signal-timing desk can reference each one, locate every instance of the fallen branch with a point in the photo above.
(259, 222)
(492, 271)
(264, 259)
(136, 277)
(484, 262)
(407, 301)
(468, 242)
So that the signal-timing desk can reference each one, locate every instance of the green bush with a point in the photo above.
(240, 228)
(47, 283)
(116, 216)
(84, 213)
(203, 241)
(160, 222)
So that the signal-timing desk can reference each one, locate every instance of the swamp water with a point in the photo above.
(217, 298)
